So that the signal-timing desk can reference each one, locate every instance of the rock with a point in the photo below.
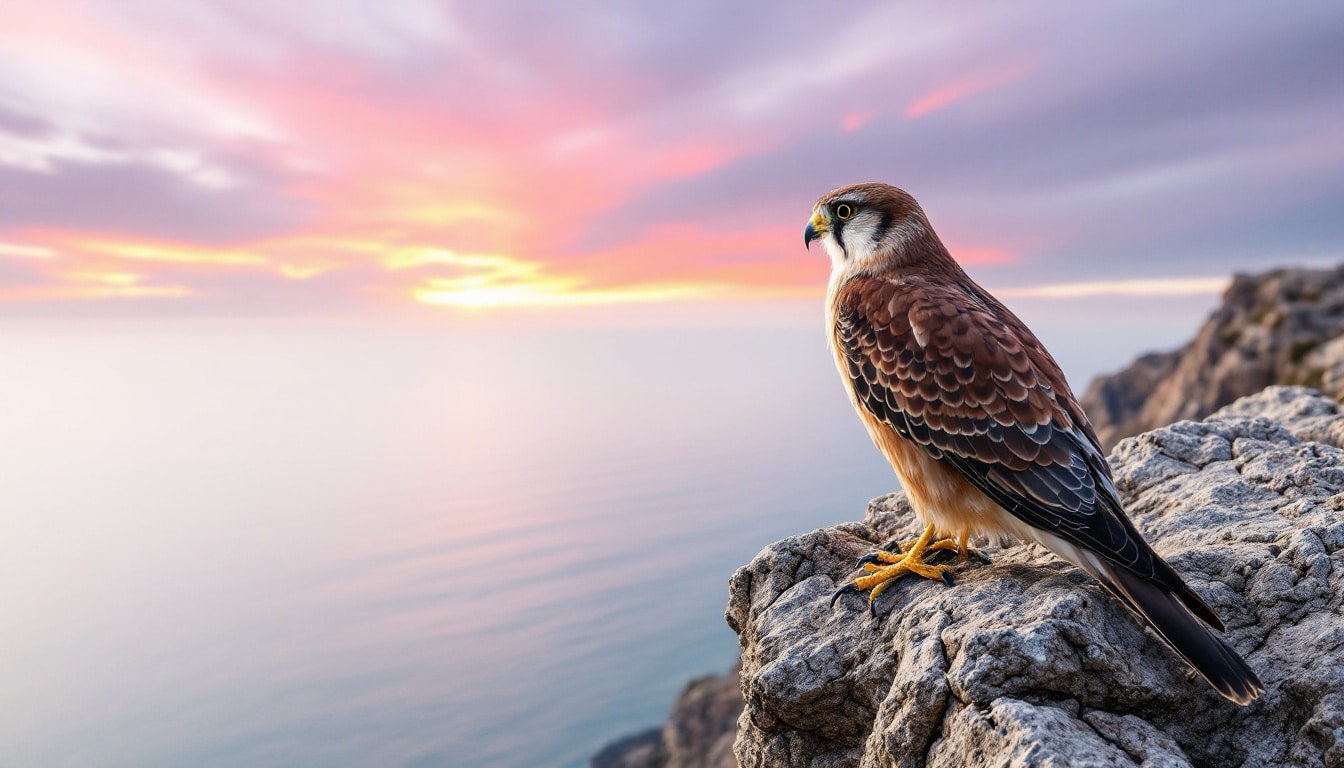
(1310, 418)
(1113, 400)
(698, 734)
(1028, 662)
(642, 750)
(1282, 327)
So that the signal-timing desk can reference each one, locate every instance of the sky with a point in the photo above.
(361, 158)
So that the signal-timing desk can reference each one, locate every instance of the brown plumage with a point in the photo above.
(979, 423)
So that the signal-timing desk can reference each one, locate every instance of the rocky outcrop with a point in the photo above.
(698, 734)
(641, 750)
(1028, 662)
(1282, 327)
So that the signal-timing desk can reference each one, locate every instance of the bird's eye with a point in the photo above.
(844, 211)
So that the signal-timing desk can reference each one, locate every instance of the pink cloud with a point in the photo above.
(982, 255)
(458, 155)
(946, 95)
(853, 121)
(240, 146)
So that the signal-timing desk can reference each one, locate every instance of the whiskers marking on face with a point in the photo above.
(835, 250)
(870, 234)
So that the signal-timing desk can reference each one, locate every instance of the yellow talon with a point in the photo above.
(959, 546)
(883, 567)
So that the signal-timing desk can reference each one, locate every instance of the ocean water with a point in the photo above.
(320, 546)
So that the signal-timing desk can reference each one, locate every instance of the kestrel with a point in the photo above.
(980, 425)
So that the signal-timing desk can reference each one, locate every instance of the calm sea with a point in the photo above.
(307, 546)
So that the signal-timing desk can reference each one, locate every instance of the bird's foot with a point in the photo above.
(893, 551)
(895, 559)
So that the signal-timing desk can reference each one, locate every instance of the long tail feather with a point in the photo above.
(1212, 657)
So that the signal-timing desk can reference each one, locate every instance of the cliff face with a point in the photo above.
(1282, 327)
(1028, 662)
(698, 734)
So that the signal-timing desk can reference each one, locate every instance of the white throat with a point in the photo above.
(861, 248)
(837, 254)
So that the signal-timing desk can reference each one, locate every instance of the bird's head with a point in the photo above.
(867, 226)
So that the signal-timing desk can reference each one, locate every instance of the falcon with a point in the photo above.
(977, 420)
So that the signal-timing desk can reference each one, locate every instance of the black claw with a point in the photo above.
(940, 555)
(947, 579)
(845, 590)
(872, 608)
(870, 558)
(984, 558)
(894, 546)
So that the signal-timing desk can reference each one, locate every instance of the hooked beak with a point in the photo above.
(815, 229)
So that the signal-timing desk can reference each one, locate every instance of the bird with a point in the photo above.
(979, 423)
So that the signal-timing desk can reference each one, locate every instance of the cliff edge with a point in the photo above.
(1280, 327)
(1028, 662)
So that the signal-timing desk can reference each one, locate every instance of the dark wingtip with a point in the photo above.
(1242, 685)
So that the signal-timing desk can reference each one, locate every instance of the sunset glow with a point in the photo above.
(1192, 286)
(83, 286)
(498, 281)
(240, 155)
(478, 292)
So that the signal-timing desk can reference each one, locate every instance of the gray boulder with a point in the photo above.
(1027, 662)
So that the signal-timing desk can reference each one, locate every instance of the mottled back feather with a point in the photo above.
(944, 364)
